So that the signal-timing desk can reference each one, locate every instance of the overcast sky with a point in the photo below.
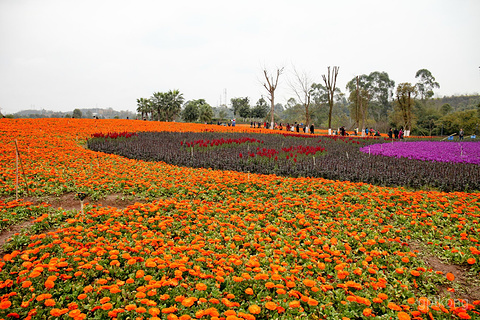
(66, 54)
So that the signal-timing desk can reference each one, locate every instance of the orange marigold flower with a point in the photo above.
(141, 310)
(154, 312)
(367, 312)
(294, 304)
(312, 302)
(383, 296)
(201, 286)
(403, 316)
(5, 304)
(49, 302)
(104, 300)
(56, 312)
(271, 305)
(107, 306)
(308, 282)
(254, 309)
(415, 273)
(169, 310)
(471, 261)
(130, 307)
(49, 284)
(450, 276)
(188, 302)
(393, 306)
(140, 295)
(423, 308)
(249, 291)
(230, 313)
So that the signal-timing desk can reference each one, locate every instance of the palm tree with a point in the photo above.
(143, 106)
(173, 106)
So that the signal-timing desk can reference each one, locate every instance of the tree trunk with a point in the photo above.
(272, 100)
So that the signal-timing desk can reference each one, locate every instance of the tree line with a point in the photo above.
(370, 101)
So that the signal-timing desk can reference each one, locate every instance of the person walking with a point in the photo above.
(395, 133)
(312, 129)
(461, 134)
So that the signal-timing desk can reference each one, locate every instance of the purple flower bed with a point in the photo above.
(440, 151)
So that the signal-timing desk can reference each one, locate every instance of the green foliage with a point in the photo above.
(426, 84)
(446, 108)
(453, 122)
(77, 114)
(167, 104)
(261, 109)
(240, 104)
(405, 96)
(205, 112)
(426, 119)
(144, 107)
(375, 92)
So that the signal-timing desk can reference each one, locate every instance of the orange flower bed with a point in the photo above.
(208, 244)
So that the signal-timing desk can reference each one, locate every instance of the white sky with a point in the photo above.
(66, 54)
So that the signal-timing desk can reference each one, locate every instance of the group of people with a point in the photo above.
(288, 127)
(395, 133)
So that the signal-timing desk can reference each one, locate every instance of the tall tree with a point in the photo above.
(244, 111)
(330, 83)
(303, 89)
(405, 96)
(158, 102)
(205, 112)
(174, 101)
(425, 84)
(380, 88)
(143, 106)
(360, 99)
(77, 114)
(271, 86)
(239, 103)
(191, 110)
(260, 110)
(167, 104)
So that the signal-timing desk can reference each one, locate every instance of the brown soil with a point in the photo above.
(469, 286)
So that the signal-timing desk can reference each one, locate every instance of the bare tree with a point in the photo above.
(330, 82)
(302, 87)
(271, 85)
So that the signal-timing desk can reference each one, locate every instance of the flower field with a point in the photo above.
(467, 152)
(201, 243)
(366, 159)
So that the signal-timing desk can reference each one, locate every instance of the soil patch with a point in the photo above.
(470, 287)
